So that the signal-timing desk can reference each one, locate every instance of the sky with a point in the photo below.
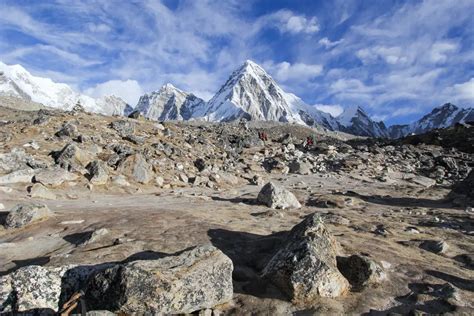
(396, 59)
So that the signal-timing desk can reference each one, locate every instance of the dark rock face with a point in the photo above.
(465, 187)
(196, 279)
(305, 266)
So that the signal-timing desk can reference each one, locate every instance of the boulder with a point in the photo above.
(193, 280)
(72, 158)
(123, 127)
(20, 176)
(98, 172)
(43, 288)
(277, 197)
(67, 130)
(26, 213)
(120, 180)
(435, 246)
(360, 270)
(54, 177)
(39, 191)
(136, 167)
(300, 167)
(305, 267)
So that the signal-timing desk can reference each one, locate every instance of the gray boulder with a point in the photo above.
(26, 213)
(305, 267)
(67, 130)
(136, 167)
(54, 176)
(123, 127)
(300, 167)
(360, 270)
(98, 172)
(196, 279)
(72, 158)
(19, 176)
(277, 197)
(39, 191)
(435, 246)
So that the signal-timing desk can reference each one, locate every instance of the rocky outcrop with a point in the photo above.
(72, 158)
(277, 197)
(305, 266)
(98, 172)
(196, 279)
(26, 213)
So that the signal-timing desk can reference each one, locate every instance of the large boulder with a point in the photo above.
(67, 130)
(277, 197)
(54, 176)
(305, 267)
(98, 172)
(136, 167)
(196, 279)
(361, 271)
(26, 213)
(300, 167)
(43, 288)
(123, 127)
(72, 158)
(39, 191)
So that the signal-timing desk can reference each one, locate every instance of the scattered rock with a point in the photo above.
(136, 167)
(98, 173)
(120, 180)
(67, 130)
(305, 267)
(123, 127)
(39, 191)
(95, 236)
(434, 246)
(20, 176)
(360, 271)
(277, 197)
(26, 213)
(193, 280)
(300, 167)
(72, 158)
(54, 177)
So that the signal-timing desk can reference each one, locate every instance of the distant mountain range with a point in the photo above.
(249, 93)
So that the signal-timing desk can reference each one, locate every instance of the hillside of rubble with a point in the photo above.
(231, 218)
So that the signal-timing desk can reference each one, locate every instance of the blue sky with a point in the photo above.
(397, 59)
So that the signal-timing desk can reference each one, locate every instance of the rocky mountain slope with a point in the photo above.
(16, 81)
(443, 116)
(169, 103)
(355, 121)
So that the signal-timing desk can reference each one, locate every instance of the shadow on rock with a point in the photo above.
(403, 201)
(249, 254)
(463, 284)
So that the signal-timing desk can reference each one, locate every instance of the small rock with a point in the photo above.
(120, 180)
(20, 176)
(136, 167)
(434, 246)
(360, 270)
(54, 177)
(277, 197)
(98, 172)
(159, 181)
(67, 130)
(26, 213)
(96, 236)
(123, 127)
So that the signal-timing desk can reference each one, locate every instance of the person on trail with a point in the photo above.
(262, 136)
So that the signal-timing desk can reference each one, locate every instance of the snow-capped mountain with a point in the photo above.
(169, 103)
(443, 116)
(355, 121)
(16, 81)
(252, 94)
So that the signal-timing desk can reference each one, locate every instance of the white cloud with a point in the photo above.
(296, 72)
(328, 44)
(391, 55)
(334, 110)
(288, 22)
(462, 93)
(129, 90)
(440, 50)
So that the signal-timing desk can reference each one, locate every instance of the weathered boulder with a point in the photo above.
(98, 172)
(196, 279)
(300, 167)
(123, 127)
(26, 213)
(277, 197)
(136, 167)
(435, 246)
(72, 158)
(305, 266)
(67, 130)
(20, 176)
(54, 176)
(39, 191)
(360, 270)
(43, 288)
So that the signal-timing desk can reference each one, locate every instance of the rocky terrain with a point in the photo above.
(134, 216)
